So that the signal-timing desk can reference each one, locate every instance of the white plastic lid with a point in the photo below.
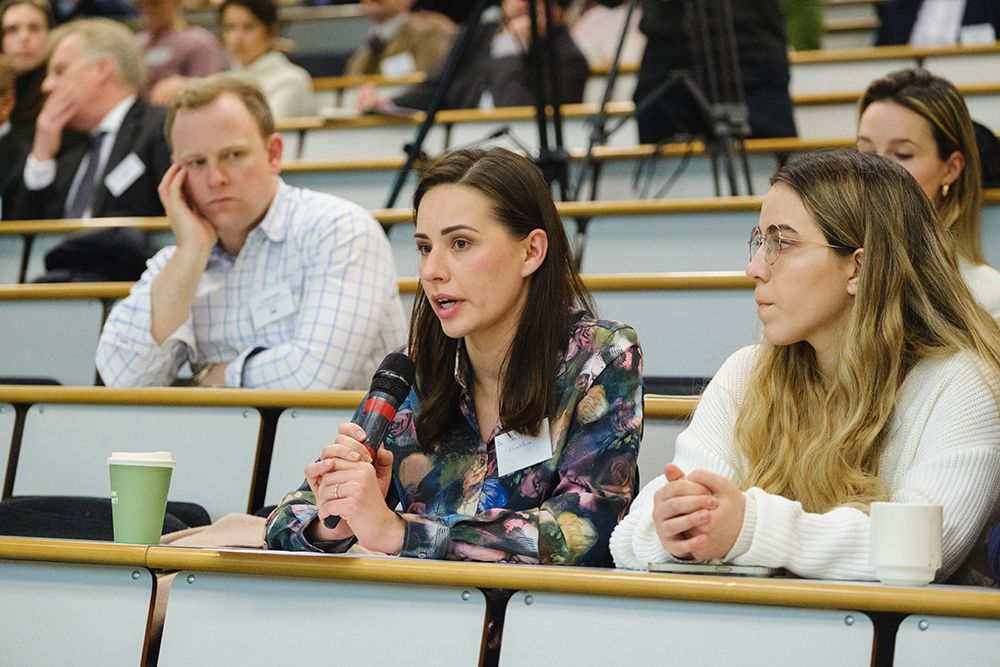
(142, 458)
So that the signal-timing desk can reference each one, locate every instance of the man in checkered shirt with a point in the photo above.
(268, 286)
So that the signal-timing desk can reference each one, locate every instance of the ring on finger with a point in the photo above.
(336, 491)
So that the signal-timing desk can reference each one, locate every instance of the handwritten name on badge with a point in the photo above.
(516, 451)
(271, 305)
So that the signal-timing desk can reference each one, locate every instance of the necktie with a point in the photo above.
(88, 184)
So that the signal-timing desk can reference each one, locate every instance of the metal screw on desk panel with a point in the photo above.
(190, 579)
(135, 575)
(848, 620)
(246, 414)
(528, 599)
(293, 413)
(466, 595)
(923, 625)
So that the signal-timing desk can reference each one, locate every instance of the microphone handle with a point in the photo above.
(376, 415)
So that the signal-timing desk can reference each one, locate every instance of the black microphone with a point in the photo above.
(390, 387)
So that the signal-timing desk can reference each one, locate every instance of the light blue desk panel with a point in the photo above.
(554, 629)
(668, 242)
(657, 448)
(223, 619)
(11, 251)
(931, 641)
(64, 450)
(57, 614)
(991, 233)
(7, 416)
(54, 338)
(298, 439)
(367, 142)
(685, 332)
(369, 188)
(618, 177)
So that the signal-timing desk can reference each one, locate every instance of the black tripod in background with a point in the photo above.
(713, 84)
(552, 160)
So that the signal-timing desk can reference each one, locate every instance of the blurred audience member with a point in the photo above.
(938, 22)
(174, 50)
(598, 29)
(25, 25)
(496, 71)
(921, 121)
(399, 42)
(249, 32)
(94, 77)
(269, 286)
(12, 151)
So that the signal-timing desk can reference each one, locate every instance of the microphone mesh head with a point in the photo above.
(394, 376)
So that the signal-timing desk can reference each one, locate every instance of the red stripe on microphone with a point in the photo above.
(381, 406)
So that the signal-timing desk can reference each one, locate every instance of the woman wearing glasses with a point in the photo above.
(921, 122)
(878, 379)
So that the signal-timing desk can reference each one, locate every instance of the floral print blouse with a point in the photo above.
(454, 503)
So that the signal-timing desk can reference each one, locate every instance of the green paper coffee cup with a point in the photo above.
(139, 484)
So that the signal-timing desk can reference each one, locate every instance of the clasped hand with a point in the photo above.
(346, 484)
(698, 515)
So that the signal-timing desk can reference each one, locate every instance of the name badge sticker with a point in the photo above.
(398, 65)
(516, 451)
(124, 174)
(271, 305)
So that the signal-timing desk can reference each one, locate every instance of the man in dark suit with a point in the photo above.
(94, 78)
(899, 17)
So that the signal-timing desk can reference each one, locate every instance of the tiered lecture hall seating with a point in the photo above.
(244, 607)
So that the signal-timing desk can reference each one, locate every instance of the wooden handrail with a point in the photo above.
(956, 601)
(663, 407)
(393, 216)
(611, 282)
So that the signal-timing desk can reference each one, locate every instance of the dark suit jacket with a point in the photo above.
(899, 16)
(141, 133)
(510, 79)
(12, 156)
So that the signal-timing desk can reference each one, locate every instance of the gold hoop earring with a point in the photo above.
(945, 189)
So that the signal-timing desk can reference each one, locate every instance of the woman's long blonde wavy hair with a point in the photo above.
(818, 439)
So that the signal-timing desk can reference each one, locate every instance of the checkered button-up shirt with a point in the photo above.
(333, 260)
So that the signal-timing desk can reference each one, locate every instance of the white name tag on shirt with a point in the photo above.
(980, 33)
(399, 64)
(122, 176)
(516, 451)
(159, 55)
(271, 305)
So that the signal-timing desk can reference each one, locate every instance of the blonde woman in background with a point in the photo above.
(878, 379)
(921, 121)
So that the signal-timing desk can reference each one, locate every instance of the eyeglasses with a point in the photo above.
(774, 243)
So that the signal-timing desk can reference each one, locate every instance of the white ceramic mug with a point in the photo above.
(905, 542)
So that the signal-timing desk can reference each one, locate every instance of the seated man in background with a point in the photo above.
(398, 41)
(269, 286)
(496, 71)
(174, 50)
(94, 78)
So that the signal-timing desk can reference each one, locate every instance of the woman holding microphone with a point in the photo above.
(519, 439)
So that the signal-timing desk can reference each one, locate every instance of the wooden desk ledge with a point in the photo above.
(58, 291)
(72, 551)
(664, 407)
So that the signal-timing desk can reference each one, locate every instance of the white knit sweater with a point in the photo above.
(943, 447)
